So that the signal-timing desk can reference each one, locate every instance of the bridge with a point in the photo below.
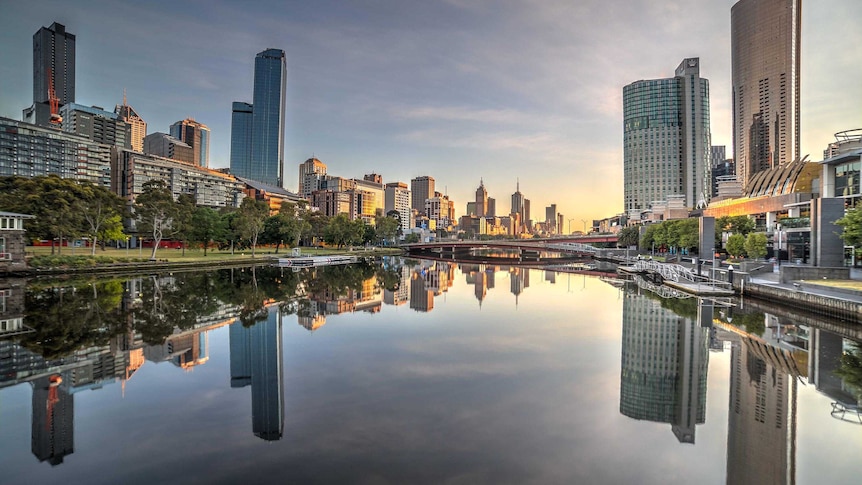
(525, 249)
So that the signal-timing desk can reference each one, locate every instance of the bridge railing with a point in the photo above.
(572, 247)
(679, 273)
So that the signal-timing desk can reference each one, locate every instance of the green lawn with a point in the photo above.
(846, 284)
(198, 254)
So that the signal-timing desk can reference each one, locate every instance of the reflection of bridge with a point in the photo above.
(525, 249)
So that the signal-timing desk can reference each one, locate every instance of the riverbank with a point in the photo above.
(174, 260)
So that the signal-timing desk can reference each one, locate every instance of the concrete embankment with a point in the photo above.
(144, 267)
(806, 299)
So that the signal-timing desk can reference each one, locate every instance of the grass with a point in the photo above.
(845, 284)
(191, 255)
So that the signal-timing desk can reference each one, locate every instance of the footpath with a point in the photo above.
(807, 295)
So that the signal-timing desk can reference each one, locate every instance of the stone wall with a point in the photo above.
(790, 273)
(821, 305)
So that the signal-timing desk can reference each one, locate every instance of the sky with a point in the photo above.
(462, 90)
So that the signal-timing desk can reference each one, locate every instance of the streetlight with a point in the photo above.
(585, 225)
(570, 225)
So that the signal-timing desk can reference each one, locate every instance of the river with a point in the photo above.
(412, 371)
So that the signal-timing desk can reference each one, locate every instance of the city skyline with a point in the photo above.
(459, 91)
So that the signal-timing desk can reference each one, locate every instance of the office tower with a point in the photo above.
(551, 218)
(139, 126)
(240, 137)
(257, 129)
(560, 227)
(373, 177)
(666, 139)
(765, 43)
(518, 201)
(492, 207)
(164, 145)
(481, 200)
(421, 188)
(421, 298)
(527, 222)
(311, 173)
(397, 198)
(53, 66)
(96, 124)
(197, 136)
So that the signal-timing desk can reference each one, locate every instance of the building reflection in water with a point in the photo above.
(53, 423)
(664, 366)
(256, 361)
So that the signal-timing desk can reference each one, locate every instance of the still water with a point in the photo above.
(417, 372)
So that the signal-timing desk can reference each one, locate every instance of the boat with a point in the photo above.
(311, 261)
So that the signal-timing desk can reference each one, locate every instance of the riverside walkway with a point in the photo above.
(808, 295)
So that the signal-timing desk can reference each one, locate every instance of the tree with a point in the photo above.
(733, 224)
(53, 202)
(251, 219)
(341, 231)
(101, 211)
(183, 228)
(852, 225)
(156, 211)
(387, 228)
(628, 236)
(412, 238)
(736, 245)
(206, 225)
(755, 245)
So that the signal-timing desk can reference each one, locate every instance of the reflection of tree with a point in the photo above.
(851, 369)
(389, 279)
(176, 302)
(338, 280)
(67, 318)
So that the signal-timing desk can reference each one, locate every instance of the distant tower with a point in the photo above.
(421, 189)
(53, 63)
(261, 158)
(481, 200)
(311, 172)
(139, 126)
(765, 46)
(197, 136)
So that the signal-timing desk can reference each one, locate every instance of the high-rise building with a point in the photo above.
(311, 173)
(53, 66)
(551, 219)
(195, 135)
(421, 188)
(166, 146)
(666, 139)
(481, 200)
(397, 198)
(53, 420)
(258, 152)
(139, 126)
(96, 124)
(765, 42)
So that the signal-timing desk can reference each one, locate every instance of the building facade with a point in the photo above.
(765, 39)
(130, 170)
(96, 124)
(53, 65)
(267, 133)
(197, 136)
(166, 146)
(666, 139)
(397, 198)
(27, 150)
(138, 125)
(421, 188)
(310, 173)
(481, 200)
(240, 138)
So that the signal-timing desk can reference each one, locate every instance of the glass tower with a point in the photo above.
(765, 71)
(267, 133)
(257, 129)
(666, 139)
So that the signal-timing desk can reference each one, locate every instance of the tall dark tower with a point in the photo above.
(53, 422)
(53, 62)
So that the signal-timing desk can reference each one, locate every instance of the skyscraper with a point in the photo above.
(765, 70)
(311, 172)
(139, 126)
(666, 139)
(197, 136)
(53, 63)
(481, 200)
(421, 188)
(257, 129)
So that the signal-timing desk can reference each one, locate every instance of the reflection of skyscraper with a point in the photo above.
(480, 286)
(256, 359)
(761, 434)
(53, 422)
(664, 367)
(826, 349)
(421, 298)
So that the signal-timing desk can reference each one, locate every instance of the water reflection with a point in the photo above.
(66, 337)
